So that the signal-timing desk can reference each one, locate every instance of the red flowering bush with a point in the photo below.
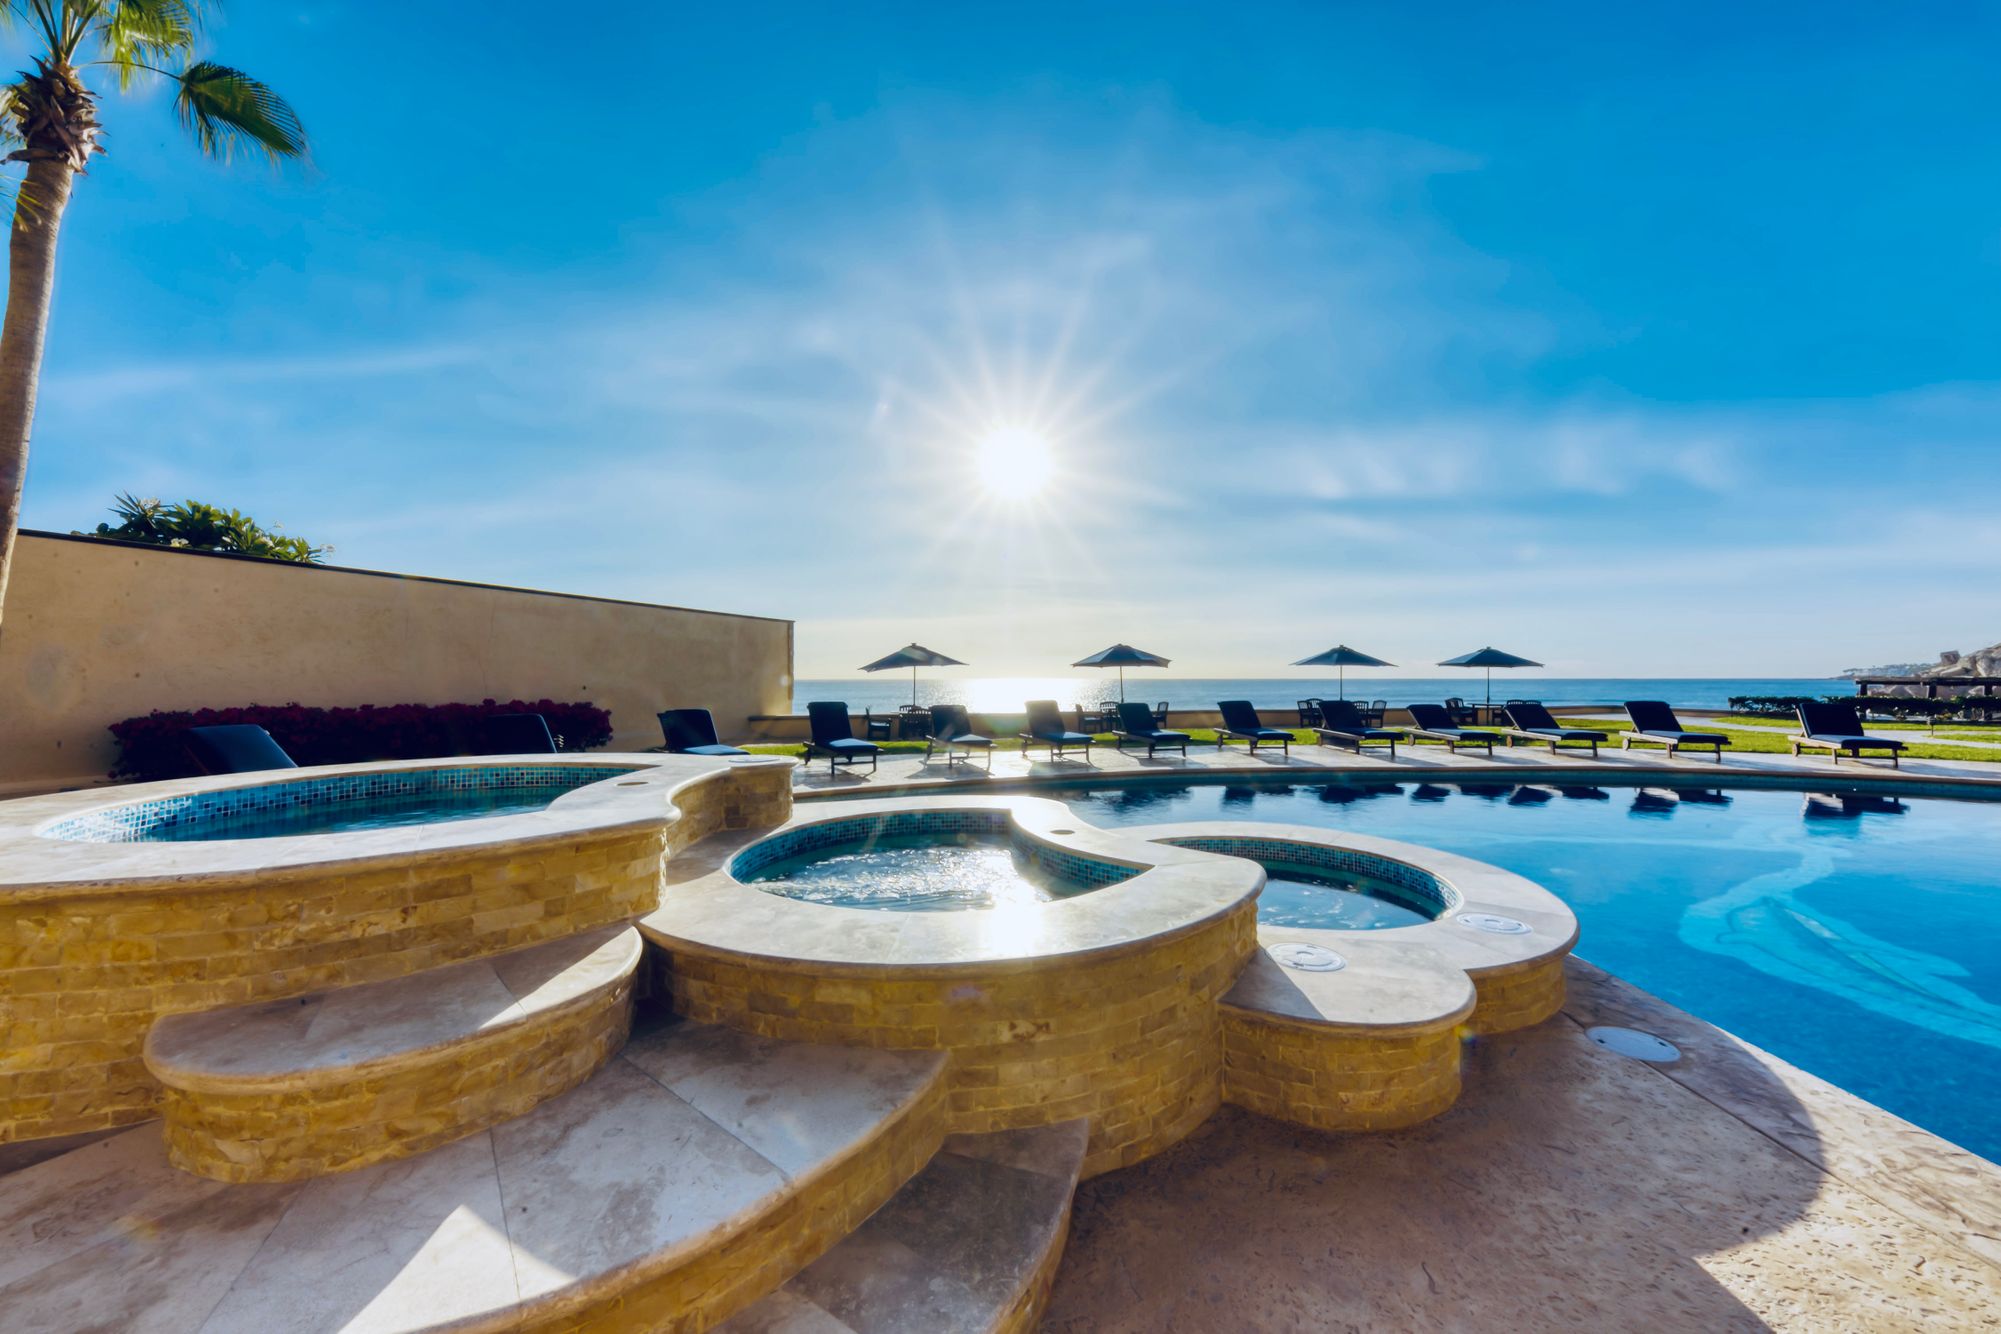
(152, 747)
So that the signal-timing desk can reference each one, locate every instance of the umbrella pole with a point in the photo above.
(1122, 683)
(913, 685)
(1342, 679)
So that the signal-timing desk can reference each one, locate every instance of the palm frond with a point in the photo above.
(225, 108)
(136, 32)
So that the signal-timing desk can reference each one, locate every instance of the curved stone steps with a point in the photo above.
(699, 1170)
(291, 1089)
(969, 1246)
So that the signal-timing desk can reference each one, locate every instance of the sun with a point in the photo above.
(1015, 462)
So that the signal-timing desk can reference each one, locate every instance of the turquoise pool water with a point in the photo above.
(1856, 933)
(918, 873)
(378, 813)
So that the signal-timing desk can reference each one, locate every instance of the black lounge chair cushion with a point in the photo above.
(1434, 720)
(1837, 724)
(1045, 723)
(693, 732)
(1136, 721)
(236, 748)
(1690, 738)
(1655, 718)
(1239, 717)
(1528, 716)
(833, 730)
(950, 723)
(1343, 718)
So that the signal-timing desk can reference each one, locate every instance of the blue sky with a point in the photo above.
(1644, 343)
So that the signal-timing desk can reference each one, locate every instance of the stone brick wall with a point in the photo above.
(304, 1126)
(1338, 1078)
(1518, 997)
(82, 978)
(1129, 1038)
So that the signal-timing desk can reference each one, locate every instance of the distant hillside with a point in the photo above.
(1950, 664)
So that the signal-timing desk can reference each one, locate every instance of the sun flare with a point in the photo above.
(1015, 462)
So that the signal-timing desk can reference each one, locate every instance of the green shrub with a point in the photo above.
(194, 526)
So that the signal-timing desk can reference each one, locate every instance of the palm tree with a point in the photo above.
(50, 116)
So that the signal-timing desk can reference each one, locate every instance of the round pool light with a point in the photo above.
(1632, 1042)
(1494, 923)
(1307, 958)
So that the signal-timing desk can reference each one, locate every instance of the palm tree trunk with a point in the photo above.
(31, 277)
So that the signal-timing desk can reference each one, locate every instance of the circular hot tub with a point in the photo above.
(337, 804)
(920, 861)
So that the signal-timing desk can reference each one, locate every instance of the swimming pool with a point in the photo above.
(1852, 931)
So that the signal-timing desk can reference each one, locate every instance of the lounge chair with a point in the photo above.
(1135, 723)
(1654, 723)
(236, 748)
(1045, 728)
(1836, 729)
(693, 732)
(834, 737)
(516, 734)
(1429, 722)
(1343, 724)
(952, 729)
(1241, 723)
(1530, 721)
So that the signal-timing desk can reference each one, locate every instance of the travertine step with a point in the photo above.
(969, 1246)
(291, 1089)
(1370, 1044)
(696, 1172)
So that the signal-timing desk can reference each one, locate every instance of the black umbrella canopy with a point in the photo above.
(1121, 656)
(912, 656)
(1342, 657)
(1489, 658)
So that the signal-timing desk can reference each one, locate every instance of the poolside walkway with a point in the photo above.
(1570, 1188)
(910, 772)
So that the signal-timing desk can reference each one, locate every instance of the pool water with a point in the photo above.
(379, 813)
(1855, 933)
(1306, 896)
(923, 873)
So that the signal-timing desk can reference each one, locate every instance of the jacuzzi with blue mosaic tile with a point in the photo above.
(920, 861)
(377, 799)
(1317, 885)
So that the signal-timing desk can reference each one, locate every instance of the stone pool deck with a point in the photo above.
(910, 772)
(1570, 1188)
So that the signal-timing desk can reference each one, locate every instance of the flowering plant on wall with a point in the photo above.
(151, 747)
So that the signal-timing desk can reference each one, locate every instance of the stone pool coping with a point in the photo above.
(34, 866)
(1176, 891)
(1480, 887)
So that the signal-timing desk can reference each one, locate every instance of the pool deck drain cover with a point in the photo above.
(1632, 1042)
(1308, 958)
(1494, 922)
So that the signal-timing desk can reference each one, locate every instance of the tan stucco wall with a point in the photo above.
(98, 631)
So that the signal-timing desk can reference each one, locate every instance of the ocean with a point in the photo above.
(885, 691)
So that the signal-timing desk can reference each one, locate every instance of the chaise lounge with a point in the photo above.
(1241, 723)
(1835, 729)
(1135, 722)
(693, 732)
(236, 748)
(834, 737)
(1343, 724)
(952, 729)
(1045, 728)
(1432, 722)
(1530, 721)
(1654, 722)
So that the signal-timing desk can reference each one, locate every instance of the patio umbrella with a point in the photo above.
(1121, 656)
(913, 656)
(1343, 657)
(1489, 658)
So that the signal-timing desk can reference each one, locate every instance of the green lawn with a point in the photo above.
(1946, 731)
(1774, 743)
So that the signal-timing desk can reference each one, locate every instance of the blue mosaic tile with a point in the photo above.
(1431, 891)
(142, 820)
